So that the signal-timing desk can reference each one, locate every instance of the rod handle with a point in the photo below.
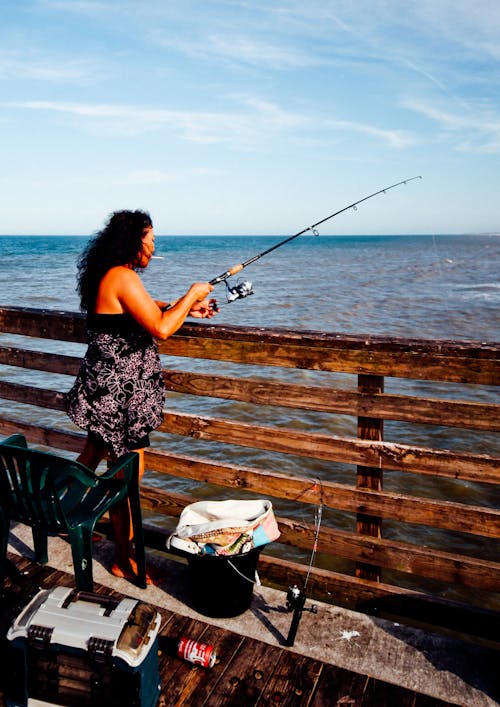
(228, 273)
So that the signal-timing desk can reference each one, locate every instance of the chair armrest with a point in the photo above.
(128, 462)
(16, 440)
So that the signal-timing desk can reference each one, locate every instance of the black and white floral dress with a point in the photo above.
(118, 394)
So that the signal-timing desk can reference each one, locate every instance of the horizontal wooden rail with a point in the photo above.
(39, 360)
(406, 408)
(457, 465)
(43, 435)
(463, 362)
(31, 394)
(400, 556)
(397, 506)
(385, 455)
(350, 358)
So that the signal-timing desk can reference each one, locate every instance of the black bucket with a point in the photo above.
(222, 585)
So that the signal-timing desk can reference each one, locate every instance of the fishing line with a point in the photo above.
(437, 255)
(317, 527)
(244, 288)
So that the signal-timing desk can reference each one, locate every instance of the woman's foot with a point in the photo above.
(129, 572)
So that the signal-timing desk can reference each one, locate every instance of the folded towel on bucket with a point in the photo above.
(225, 527)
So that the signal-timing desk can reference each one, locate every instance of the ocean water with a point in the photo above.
(425, 286)
(437, 287)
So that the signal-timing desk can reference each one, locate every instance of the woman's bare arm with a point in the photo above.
(122, 290)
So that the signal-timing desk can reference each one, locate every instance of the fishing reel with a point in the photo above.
(295, 601)
(239, 291)
(295, 598)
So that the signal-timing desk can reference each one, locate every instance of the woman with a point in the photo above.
(118, 394)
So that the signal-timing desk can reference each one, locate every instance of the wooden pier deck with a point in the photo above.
(247, 671)
(250, 671)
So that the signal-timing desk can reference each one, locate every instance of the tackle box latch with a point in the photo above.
(100, 649)
(39, 636)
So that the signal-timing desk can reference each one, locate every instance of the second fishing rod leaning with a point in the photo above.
(243, 289)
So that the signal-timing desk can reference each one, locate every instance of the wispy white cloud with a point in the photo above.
(471, 26)
(241, 49)
(77, 6)
(261, 120)
(276, 31)
(156, 176)
(423, 71)
(272, 115)
(39, 68)
(429, 36)
(387, 26)
(470, 131)
(258, 52)
(238, 128)
(394, 138)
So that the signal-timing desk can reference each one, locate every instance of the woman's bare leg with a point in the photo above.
(92, 454)
(121, 520)
(124, 565)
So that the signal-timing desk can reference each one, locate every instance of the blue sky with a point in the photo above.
(250, 117)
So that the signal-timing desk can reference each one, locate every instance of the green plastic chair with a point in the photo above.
(56, 495)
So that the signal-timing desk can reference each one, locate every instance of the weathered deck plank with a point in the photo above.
(188, 684)
(247, 672)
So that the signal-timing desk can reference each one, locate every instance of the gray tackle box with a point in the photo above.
(74, 648)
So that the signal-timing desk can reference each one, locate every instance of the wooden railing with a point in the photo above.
(293, 403)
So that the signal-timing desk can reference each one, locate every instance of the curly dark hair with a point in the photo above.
(118, 243)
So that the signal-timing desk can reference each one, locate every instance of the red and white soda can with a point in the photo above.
(199, 653)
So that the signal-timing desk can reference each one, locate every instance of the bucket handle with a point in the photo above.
(252, 581)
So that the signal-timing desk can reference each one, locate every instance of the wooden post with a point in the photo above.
(369, 428)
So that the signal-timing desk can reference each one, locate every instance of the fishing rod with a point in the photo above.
(243, 289)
